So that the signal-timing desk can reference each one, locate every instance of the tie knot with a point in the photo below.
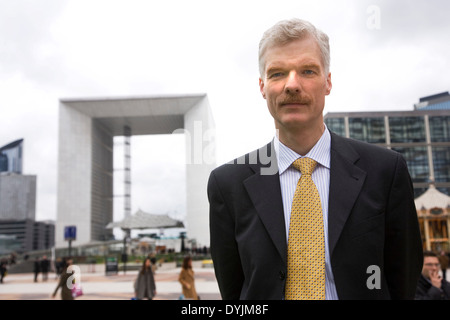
(305, 165)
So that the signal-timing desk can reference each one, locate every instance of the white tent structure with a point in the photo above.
(144, 220)
(432, 198)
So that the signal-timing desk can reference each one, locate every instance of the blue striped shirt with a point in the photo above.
(289, 177)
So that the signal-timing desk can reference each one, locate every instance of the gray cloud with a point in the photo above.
(26, 43)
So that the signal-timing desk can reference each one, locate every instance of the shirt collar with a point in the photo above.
(320, 152)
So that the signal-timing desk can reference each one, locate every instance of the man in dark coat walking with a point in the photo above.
(45, 266)
(37, 268)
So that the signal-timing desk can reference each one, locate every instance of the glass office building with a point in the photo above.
(11, 157)
(422, 136)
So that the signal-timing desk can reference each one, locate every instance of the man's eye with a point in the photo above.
(276, 75)
(308, 72)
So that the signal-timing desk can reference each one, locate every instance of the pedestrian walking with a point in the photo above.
(187, 280)
(45, 266)
(444, 261)
(36, 268)
(58, 267)
(3, 269)
(144, 285)
(65, 282)
(153, 261)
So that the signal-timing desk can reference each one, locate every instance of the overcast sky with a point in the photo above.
(385, 55)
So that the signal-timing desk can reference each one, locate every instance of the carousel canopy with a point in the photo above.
(144, 220)
(432, 198)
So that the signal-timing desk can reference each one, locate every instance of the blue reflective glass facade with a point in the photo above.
(336, 125)
(440, 129)
(11, 157)
(367, 129)
(441, 163)
(3, 162)
(421, 136)
(417, 161)
(407, 129)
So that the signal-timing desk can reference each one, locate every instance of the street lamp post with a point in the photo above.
(125, 253)
(182, 237)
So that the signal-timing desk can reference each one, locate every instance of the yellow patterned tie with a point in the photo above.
(306, 247)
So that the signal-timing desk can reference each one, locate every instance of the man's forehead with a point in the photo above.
(431, 259)
(296, 49)
(307, 43)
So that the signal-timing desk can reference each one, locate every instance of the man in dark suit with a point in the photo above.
(372, 242)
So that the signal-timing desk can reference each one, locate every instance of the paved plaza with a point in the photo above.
(99, 286)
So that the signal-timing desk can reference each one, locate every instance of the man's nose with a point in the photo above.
(293, 83)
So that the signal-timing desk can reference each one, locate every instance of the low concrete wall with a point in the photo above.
(27, 266)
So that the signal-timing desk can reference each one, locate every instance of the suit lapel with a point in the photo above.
(265, 192)
(346, 180)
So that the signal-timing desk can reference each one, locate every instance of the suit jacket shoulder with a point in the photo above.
(248, 242)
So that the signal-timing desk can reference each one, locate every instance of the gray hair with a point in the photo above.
(287, 31)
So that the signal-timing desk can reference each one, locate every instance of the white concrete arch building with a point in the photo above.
(85, 158)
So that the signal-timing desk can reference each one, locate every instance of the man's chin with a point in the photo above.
(295, 121)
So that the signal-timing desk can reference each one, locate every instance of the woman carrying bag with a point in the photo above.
(65, 277)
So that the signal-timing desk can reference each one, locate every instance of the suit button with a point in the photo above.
(282, 275)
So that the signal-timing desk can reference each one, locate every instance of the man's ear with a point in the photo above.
(261, 88)
(328, 84)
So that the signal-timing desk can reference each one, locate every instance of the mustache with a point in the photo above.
(295, 99)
